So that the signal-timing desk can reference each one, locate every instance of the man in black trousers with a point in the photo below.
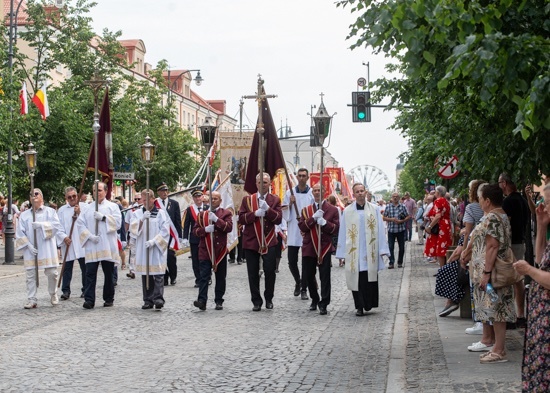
(189, 239)
(172, 207)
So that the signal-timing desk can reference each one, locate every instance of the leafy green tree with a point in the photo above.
(63, 38)
(475, 80)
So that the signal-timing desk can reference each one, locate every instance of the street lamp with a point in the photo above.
(30, 159)
(147, 158)
(208, 135)
(322, 123)
(171, 84)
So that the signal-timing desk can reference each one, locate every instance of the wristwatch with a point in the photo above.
(484, 272)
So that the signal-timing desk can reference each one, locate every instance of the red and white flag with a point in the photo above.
(174, 239)
(24, 100)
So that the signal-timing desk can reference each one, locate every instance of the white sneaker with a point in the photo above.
(479, 347)
(54, 299)
(476, 329)
(29, 305)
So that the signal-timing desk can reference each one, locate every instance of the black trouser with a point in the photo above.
(195, 262)
(253, 269)
(400, 236)
(91, 278)
(240, 253)
(172, 267)
(310, 267)
(206, 275)
(293, 266)
(155, 293)
(68, 275)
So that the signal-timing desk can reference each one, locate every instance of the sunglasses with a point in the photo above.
(71, 196)
(36, 193)
(137, 199)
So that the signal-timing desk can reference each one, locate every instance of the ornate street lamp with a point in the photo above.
(322, 122)
(30, 159)
(208, 136)
(147, 159)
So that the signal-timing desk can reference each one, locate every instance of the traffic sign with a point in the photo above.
(361, 82)
(124, 175)
(448, 168)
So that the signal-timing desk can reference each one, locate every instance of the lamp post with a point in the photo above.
(208, 135)
(30, 159)
(198, 80)
(147, 158)
(322, 128)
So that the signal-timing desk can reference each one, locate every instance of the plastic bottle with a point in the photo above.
(491, 292)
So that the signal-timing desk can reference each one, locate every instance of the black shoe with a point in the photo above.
(88, 305)
(108, 304)
(130, 275)
(200, 305)
(448, 309)
(256, 308)
(115, 284)
(196, 286)
(239, 263)
(231, 261)
(297, 290)
(269, 305)
(65, 296)
(159, 305)
(390, 266)
(147, 306)
(173, 282)
(322, 310)
(313, 307)
(9, 263)
(219, 306)
(82, 295)
(304, 296)
(359, 313)
(165, 283)
(400, 266)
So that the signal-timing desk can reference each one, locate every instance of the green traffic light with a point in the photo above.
(361, 115)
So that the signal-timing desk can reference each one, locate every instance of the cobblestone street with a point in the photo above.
(395, 348)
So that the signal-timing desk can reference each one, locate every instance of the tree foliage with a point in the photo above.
(63, 39)
(475, 81)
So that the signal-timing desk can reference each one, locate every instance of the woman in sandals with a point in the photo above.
(489, 239)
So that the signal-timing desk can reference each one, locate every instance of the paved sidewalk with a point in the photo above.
(403, 346)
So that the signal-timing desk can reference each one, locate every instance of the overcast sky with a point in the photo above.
(298, 46)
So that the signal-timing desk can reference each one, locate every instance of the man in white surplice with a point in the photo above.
(302, 197)
(362, 244)
(156, 245)
(101, 247)
(35, 236)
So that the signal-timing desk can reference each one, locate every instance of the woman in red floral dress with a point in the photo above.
(437, 245)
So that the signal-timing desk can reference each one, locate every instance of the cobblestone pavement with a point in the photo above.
(288, 349)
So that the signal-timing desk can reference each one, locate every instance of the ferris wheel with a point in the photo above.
(374, 178)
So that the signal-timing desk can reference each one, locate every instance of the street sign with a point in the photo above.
(448, 168)
(124, 175)
(361, 82)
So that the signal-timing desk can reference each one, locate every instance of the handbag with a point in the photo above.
(503, 273)
(435, 229)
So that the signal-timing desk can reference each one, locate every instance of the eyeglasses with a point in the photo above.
(71, 196)
(36, 193)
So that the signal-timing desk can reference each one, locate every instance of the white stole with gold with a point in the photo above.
(352, 236)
